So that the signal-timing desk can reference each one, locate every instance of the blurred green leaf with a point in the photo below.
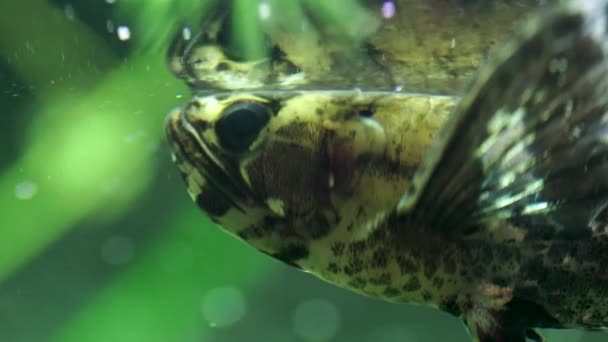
(88, 154)
(346, 18)
(247, 36)
(154, 22)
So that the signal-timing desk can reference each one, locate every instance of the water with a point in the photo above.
(98, 239)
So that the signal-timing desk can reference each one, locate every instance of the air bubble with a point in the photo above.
(69, 12)
(110, 26)
(186, 33)
(388, 9)
(264, 10)
(134, 136)
(123, 32)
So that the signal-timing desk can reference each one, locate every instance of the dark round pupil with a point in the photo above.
(240, 125)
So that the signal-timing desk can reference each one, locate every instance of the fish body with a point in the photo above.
(490, 206)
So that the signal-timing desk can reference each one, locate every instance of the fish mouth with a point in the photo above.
(205, 173)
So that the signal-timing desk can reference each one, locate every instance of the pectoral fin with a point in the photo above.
(529, 141)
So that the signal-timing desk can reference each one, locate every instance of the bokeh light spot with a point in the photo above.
(223, 306)
(316, 320)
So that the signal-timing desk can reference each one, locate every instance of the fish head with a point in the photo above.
(286, 169)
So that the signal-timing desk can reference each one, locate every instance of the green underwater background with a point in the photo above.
(98, 238)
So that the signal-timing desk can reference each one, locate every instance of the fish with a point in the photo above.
(491, 206)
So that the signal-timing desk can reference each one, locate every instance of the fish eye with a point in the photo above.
(240, 125)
